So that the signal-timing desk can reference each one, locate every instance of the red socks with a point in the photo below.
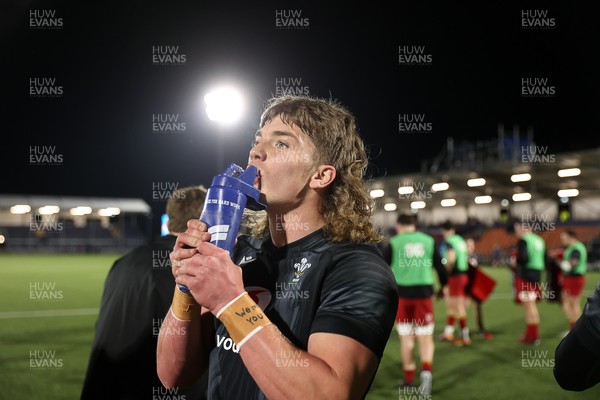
(532, 331)
(409, 376)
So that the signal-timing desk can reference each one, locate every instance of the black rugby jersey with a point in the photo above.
(310, 285)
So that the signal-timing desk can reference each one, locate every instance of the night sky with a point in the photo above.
(101, 57)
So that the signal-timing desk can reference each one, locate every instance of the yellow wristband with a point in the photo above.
(243, 318)
(184, 306)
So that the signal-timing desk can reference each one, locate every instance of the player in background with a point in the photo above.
(413, 255)
(528, 265)
(456, 260)
(137, 295)
(573, 266)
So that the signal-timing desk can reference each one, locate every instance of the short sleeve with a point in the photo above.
(359, 300)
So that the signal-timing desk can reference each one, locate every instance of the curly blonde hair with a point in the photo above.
(347, 206)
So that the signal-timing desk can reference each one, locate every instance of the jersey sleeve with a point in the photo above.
(577, 356)
(522, 256)
(359, 299)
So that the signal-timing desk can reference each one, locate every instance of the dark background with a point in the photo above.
(102, 56)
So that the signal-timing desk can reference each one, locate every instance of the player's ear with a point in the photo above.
(322, 177)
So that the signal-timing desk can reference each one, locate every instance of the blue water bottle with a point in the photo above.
(229, 194)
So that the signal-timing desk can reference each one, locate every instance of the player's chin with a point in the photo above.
(263, 199)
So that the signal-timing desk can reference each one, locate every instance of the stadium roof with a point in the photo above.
(544, 183)
(126, 205)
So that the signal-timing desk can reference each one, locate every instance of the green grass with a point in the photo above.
(75, 282)
(486, 370)
(490, 369)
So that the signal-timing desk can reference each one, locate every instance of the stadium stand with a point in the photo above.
(440, 191)
(56, 224)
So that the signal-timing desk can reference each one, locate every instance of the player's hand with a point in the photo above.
(440, 293)
(210, 275)
(187, 243)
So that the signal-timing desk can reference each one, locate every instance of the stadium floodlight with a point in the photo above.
(520, 177)
(439, 187)
(20, 209)
(417, 205)
(448, 202)
(521, 196)
(483, 199)
(390, 206)
(109, 211)
(81, 210)
(224, 105)
(405, 189)
(475, 182)
(376, 193)
(564, 173)
(48, 210)
(568, 193)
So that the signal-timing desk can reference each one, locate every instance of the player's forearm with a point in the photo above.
(282, 371)
(180, 358)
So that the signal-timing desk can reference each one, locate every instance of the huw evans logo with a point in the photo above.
(414, 123)
(44, 291)
(537, 155)
(162, 393)
(536, 359)
(414, 191)
(44, 359)
(168, 123)
(44, 155)
(291, 19)
(160, 259)
(290, 86)
(413, 256)
(537, 19)
(537, 222)
(168, 55)
(44, 87)
(45, 222)
(44, 19)
(163, 191)
(537, 87)
(413, 55)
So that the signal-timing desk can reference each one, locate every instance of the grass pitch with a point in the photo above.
(49, 305)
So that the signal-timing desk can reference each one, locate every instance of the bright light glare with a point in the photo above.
(448, 203)
(224, 105)
(81, 210)
(483, 199)
(438, 187)
(390, 207)
(109, 211)
(405, 189)
(568, 193)
(475, 182)
(417, 205)
(48, 210)
(376, 193)
(563, 173)
(20, 209)
(520, 177)
(521, 196)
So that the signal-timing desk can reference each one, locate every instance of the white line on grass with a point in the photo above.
(48, 313)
